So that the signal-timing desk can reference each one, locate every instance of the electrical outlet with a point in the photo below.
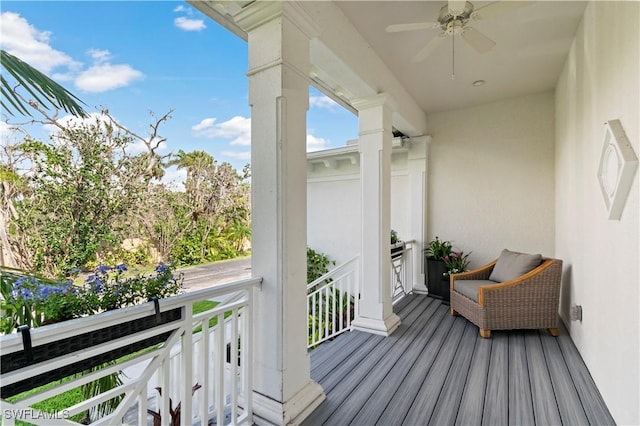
(576, 313)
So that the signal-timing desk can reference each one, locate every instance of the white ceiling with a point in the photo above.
(532, 43)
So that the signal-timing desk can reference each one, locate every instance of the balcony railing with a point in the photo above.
(332, 299)
(332, 302)
(213, 365)
(401, 270)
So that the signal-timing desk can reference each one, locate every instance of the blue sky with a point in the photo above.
(136, 57)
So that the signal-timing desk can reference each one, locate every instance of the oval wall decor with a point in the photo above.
(618, 164)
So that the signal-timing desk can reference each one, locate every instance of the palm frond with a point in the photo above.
(43, 89)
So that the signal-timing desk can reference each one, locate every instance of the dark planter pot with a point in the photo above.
(437, 279)
(43, 353)
(397, 249)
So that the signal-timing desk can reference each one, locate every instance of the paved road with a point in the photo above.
(224, 271)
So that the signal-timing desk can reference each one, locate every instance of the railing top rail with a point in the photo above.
(53, 332)
(334, 271)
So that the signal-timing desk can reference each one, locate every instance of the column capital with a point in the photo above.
(418, 146)
(259, 13)
(381, 99)
(426, 139)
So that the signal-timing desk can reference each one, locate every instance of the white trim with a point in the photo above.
(375, 326)
(267, 411)
(339, 178)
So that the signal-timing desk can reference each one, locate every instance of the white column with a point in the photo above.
(375, 312)
(279, 97)
(417, 168)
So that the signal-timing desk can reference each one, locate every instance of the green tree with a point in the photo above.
(83, 188)
(213, 193)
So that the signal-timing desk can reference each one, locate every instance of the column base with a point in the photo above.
(269, 412)
(376, 326)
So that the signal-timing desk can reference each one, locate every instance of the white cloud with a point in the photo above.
(96, 118)
(73, 121)
(104, 76)
(238, 129)
(23, 40)
(323, 102)
(237, 155)
(315, 143)
(175, 178)
(99, 56)
(188, 24)
(138, 147)
(9, 133)
(180, 8)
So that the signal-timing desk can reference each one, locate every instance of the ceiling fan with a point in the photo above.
(453, 20)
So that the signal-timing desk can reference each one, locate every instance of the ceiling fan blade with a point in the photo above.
(498, 8)
(411, 27)
(480, 42)
(429, 48)
(456, 7)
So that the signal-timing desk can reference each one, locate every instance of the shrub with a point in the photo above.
(33, 301)
(317, 264)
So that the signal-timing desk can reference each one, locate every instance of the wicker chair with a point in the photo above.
(529, 301)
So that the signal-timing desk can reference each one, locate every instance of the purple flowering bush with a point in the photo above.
(456, 262)
(31, 300)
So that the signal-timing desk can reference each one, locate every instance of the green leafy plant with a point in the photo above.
(35, 83)
(317, 264)
(456, 262)
(438, 249)
(33, 300)
(394, 237)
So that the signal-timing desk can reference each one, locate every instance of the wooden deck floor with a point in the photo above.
(436, 370)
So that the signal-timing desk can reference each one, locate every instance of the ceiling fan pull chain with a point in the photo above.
(453, 56)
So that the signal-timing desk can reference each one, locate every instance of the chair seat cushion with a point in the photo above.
(469, 288)
(511, 265)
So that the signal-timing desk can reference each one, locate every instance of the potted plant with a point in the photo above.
(440, 261)
(456, 262)
(29, 301)
(397, 245)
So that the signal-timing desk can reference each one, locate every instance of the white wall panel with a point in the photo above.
(601, 82)
(491, 177)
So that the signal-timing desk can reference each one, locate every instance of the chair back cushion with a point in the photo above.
(511, 265)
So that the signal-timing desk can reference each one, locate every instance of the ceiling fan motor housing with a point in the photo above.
(449, 22)
(455, 27)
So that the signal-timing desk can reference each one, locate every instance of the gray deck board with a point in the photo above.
(425, 401)
(594, 407)
(496, 398)
(545, 407)
(571, 411)
(373, 408)
(472, 403)
(378, 372)
(396, 410)
(346, 386)
(521, 404)
(436, 370)
(445, 412)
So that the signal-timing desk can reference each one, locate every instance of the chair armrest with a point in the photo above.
(481, 273)
(548, 274)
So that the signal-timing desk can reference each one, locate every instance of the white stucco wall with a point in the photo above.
(600, 82)
(491, 177)
(334, 204)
